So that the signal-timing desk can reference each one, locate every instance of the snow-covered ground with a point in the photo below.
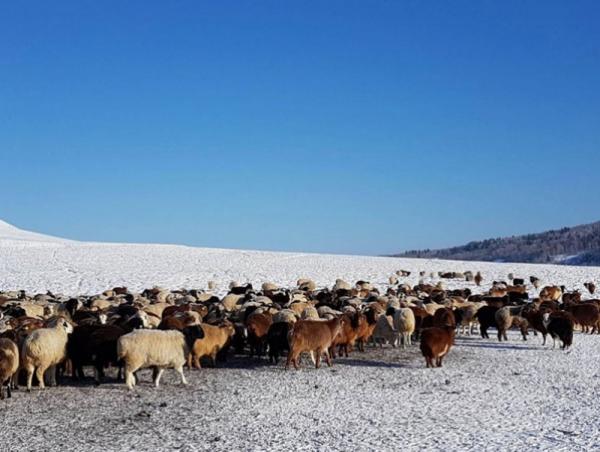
(489, 396)
(37, 263)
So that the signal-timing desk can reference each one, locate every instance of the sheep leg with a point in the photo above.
(52, 370)
(129, 377)
(318, 358)
(39, 373)
(293, 357)
(8, 390)
(2, 391)
(179, 369)
(157, 374)
(327, 358)
(332, 351)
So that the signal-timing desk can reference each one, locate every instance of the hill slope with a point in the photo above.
(579, 245)
(10, 233)
(37, 263)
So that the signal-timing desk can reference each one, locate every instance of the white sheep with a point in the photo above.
(33, 310)
(156, 308)
(469, 315)
(432, 307)
(43, 350)
(285, 315)
(384, 331)
(310, 313)
(306, 284)
(504, 320)
(340, 284)
(230, 302)
(404, 324)
(269, 287)
(156, 348)
(326, 312)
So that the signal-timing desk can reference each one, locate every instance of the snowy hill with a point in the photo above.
(10, 233)
(36, 262)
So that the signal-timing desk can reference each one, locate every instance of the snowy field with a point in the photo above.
(489, 396)
(38, 263)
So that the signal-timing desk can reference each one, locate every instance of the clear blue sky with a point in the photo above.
(349, 127)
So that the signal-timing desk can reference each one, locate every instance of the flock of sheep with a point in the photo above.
(47, 336)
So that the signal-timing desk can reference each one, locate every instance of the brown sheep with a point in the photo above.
(348, 334)
(560, 325)
(587, 315)
(214, 340)
(366, 326)
(314, 336)
(571, 297)
(257, 326)
(179, 322)
(420, 316)
(535, 318)
(590, 286)
(9, 364)
(436, 343)
(443, 317)
(552, 293)
(521, 323)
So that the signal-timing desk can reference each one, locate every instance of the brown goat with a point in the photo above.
(215, 338)
(436, 343)
(312, 336)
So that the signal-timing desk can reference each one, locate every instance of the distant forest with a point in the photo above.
(579, 245)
